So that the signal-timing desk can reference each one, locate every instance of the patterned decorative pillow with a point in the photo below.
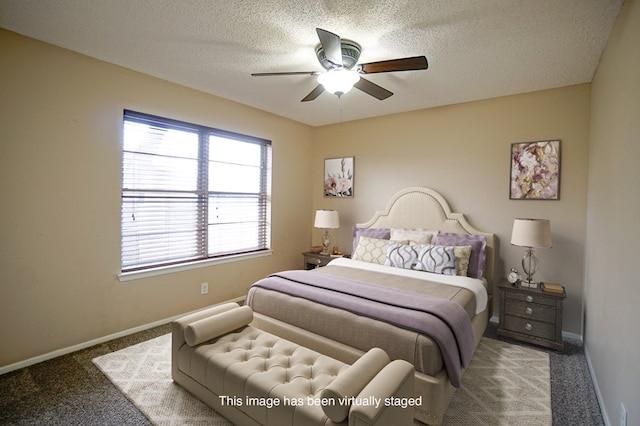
(418, 235)
(478, 244)
(372, 250)
(437, 259)
(462, 259)
(382, 233)
(403, 256)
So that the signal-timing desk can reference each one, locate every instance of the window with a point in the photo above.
(191, 193)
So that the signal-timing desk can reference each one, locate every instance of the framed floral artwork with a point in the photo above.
(535, 170)
(338, 177)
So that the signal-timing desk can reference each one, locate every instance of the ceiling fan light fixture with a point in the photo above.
(340, 58)
(338, 81)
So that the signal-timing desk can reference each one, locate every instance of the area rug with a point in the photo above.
(504, 384)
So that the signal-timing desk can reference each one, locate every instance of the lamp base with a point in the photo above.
(529, 264)
(325, 242)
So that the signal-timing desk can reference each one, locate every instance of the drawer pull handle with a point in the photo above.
(528, 326)
(529, 310)
(529, 299)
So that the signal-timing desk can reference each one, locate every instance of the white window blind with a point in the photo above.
(191, 192)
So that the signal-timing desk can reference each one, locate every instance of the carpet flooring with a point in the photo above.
(71, 390)
(504, 384)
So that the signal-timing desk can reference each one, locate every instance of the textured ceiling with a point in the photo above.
(476, 49)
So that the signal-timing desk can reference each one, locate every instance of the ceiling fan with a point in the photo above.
(340, 60)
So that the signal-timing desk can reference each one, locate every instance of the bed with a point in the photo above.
(398, 292)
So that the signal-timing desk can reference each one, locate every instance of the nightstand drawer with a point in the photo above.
(530, 311)
(539, 329)
(531, 298)
(316, 260)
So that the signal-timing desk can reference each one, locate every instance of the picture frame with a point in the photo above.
(535, 170)
(338, 177)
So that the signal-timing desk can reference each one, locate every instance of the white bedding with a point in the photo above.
(477, 286)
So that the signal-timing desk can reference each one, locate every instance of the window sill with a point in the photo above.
(136, 275)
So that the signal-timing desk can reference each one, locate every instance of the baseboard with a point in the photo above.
(80, 346)
(603, 410)
(572, 336)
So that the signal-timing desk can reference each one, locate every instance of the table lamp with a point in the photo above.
(326, 219)
(531, 233)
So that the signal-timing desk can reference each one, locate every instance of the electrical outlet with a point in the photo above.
(204, 288)
(623, 415)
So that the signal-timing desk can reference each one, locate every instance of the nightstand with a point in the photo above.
(531, 315)
(316, 260)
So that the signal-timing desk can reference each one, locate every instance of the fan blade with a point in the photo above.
(372, 89)
(332, 46)
(404, 64)
(314, 93)
(270, 74)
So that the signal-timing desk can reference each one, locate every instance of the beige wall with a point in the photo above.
(612, 290)
(60, 142)
(60, 117)
(463, 152)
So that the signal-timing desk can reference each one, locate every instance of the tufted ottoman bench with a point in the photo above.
(252, 377)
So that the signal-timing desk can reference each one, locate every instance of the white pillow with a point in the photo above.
(419, 235)
(403, 256)
(438, 259)
(423, 257)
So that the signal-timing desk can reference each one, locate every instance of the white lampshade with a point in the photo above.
(327, 219)
(531, 233)
(338, 81)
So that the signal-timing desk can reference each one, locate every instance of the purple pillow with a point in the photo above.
(478, 244)
(382, 233)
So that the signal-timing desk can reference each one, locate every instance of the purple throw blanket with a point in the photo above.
(446, 322)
